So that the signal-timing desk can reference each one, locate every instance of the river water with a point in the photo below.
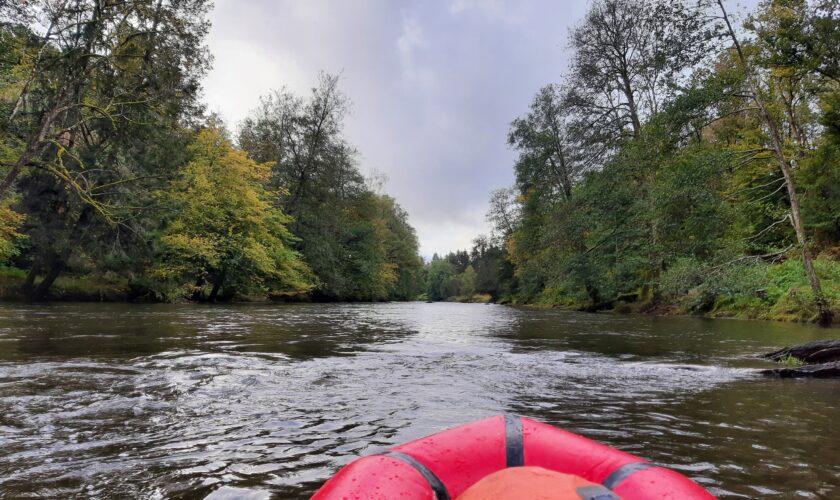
(178, 401)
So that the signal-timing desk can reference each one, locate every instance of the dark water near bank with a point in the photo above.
(118, 401)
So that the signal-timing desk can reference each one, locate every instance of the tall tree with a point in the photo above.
(504, 213)
(356, 241)
(628, 55)
(556, 145)
(105, 89)
(97, 61)
(316, 166)
(758, 96)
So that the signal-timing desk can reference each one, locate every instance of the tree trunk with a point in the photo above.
(635, 121)
(29, 284)
(825, 314)
(196, 296)
(40, 291)
(60, 258)
(33, 147)
(214, 292)
(796, 131)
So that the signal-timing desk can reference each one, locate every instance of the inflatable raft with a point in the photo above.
(473, 461)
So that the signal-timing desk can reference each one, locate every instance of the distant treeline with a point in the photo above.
(482, 275)
(686, 163)
(116, 185)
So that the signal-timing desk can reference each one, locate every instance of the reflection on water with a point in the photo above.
(177, 401)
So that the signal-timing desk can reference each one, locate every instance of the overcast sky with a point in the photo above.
(434, 86)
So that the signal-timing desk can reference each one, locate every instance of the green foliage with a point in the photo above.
(84, 140)
(358, 243)
(10, 222)
(684, 275)
(819, 178)
(439, 275)
(109, 171)
(467, 282)
(789, 289)
(224, 229)
(381, 251)
(791, 361)
(685, 203)
(751, 289)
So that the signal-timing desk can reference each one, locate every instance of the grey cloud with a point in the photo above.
(434, 86)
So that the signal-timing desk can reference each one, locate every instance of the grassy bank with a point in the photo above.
(750, 290)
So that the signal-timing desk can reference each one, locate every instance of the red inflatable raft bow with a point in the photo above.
(444, 465)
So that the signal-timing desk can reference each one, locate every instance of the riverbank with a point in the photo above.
(775, 292)
(67, 288)
(102, 288)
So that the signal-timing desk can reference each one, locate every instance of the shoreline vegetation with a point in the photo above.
(788, 302)
(686, 163)
(117, 184)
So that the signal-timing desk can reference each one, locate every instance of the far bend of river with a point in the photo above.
(176, 401)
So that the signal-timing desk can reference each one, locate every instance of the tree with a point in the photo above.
(401, 246)
(315, 166)
(439, 276)
(504, 213)
(554, 151)
(94, 115)
(468, 280)
(356, 241)
(778, 148)
(628, 56)
(460, 260)
(95, 61)
(494, 272)
(224, 229)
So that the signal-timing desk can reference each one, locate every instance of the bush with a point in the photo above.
(684, 275)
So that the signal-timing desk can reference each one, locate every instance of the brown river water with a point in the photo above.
(178, 401)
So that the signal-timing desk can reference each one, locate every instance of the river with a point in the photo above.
(162, 401)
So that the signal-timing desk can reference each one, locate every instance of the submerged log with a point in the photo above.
(823, 370)
(820, 351)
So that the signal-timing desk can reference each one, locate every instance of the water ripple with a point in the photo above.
(185, 401)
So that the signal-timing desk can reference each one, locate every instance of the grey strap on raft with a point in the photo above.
(623, 472)
(441, 493)
(596, 492)
(514, 443)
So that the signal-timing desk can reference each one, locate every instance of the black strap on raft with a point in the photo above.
(514, 444)
(441, 493)
(623, 472)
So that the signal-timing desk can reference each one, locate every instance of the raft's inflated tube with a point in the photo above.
(444, 465)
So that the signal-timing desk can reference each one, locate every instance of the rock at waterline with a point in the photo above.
(820, 351)
(821, 360)
(823, 370)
